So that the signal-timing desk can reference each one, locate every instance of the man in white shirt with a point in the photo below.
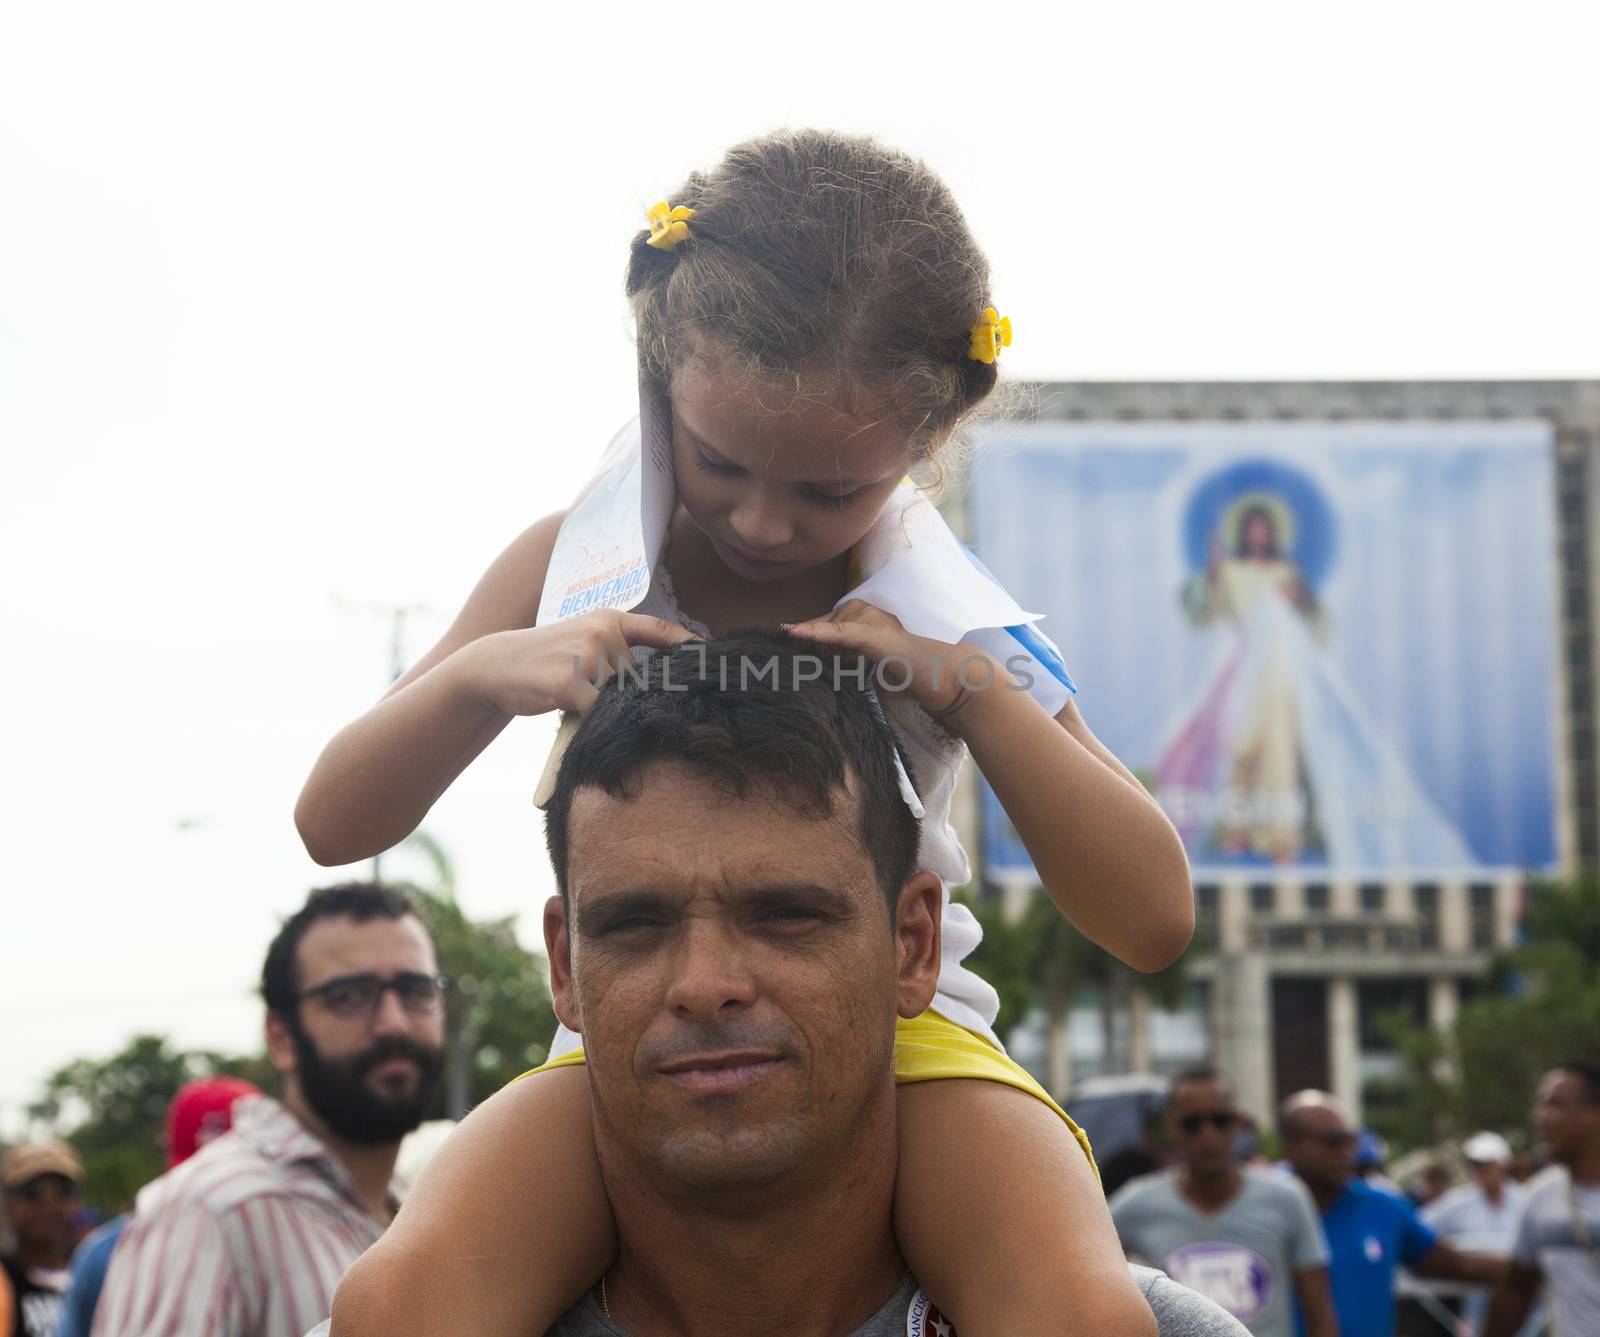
(1481, 1214)
(1558, 1236)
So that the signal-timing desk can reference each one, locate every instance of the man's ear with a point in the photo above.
(280, 1045)
(916, 934)
(558, 946)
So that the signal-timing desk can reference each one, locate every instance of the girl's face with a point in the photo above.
(777, 494)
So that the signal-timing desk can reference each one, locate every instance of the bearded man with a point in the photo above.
(250, 1236)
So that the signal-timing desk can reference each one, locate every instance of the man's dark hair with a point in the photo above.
(1588, 1074)
(360, 901)
(1194, 1075)
(750, 713)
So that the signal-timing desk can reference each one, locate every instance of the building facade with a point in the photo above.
(1296, 970)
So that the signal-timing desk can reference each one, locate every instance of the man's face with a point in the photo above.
(1566, 1120)
(366, 1072)
(1490, 1176)
(736, 976)
(1322, 1146)
(41, 1211)
(1203, 1124)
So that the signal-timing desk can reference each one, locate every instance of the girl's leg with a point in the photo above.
(1002, 1220)
(506, 1229)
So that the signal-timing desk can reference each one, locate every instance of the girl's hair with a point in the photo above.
(814, 254)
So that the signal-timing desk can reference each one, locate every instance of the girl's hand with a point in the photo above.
(941, 677)
(562, 666)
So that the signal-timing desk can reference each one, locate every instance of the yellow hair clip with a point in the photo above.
(669, 225)
(989, 336)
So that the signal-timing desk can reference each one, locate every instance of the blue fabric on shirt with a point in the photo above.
(89, 1262)
(1370, 1233)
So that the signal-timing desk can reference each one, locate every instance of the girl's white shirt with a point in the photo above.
(609, 553)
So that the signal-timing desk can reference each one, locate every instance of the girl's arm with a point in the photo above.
(506, 1229)
(374, 783)
(1001, 1218)
(1104, 850)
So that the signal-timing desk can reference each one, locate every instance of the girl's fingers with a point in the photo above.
(641, 629)
(851, 613)
(823, 629)
(859, 636)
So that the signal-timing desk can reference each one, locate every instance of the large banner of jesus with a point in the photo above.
(1321, 645)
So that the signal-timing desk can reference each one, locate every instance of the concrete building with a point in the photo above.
(1293, 973)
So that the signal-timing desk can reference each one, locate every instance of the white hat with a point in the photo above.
(1486, 1148)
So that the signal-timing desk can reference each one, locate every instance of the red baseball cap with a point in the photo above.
(202, 1110)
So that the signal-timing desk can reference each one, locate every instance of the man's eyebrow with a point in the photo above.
(838, 480)
(349, 977)
(597, 907)
(830, 899)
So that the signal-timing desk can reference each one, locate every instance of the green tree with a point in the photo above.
(1540, 1009)
(1040, 960)
(114, 1110)
(498, 1022)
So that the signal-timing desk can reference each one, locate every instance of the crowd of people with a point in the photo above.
(777, 1100)
(1322, 1243)
(786, 992)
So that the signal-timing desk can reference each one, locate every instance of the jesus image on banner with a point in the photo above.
(1274, 762)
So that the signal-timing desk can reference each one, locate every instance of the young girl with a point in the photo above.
(814, 321)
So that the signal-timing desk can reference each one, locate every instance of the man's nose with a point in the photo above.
(709, 975)
(389, 1016)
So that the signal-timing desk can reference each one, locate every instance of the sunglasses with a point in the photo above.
(1221, 1120)
(37, 1190)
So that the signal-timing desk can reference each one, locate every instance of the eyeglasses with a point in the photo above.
(36, 1190)
(352, 996)
(1221, 1120)
(1335, 1138)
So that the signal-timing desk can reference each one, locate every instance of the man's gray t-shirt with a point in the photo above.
(1179, 1313)
(1559, 1234)
(1243, 1256)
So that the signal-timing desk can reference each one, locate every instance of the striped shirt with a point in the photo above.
(248, 1238)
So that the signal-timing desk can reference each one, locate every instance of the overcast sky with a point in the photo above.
(307, 309)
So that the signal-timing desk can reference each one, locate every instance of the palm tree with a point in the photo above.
(1039, 959)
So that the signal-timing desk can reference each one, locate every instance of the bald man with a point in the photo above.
(1370, 1233)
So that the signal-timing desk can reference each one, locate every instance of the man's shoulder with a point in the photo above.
(1144, 1189)
(1274, 1187)
(1546, 1191)
(1376, 1209)
(1282, 1198)
(1181, 1312)
(97, 1245)
(217, 1180)
(907, 1311)
(1463, 1197)
(1381, 1200)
